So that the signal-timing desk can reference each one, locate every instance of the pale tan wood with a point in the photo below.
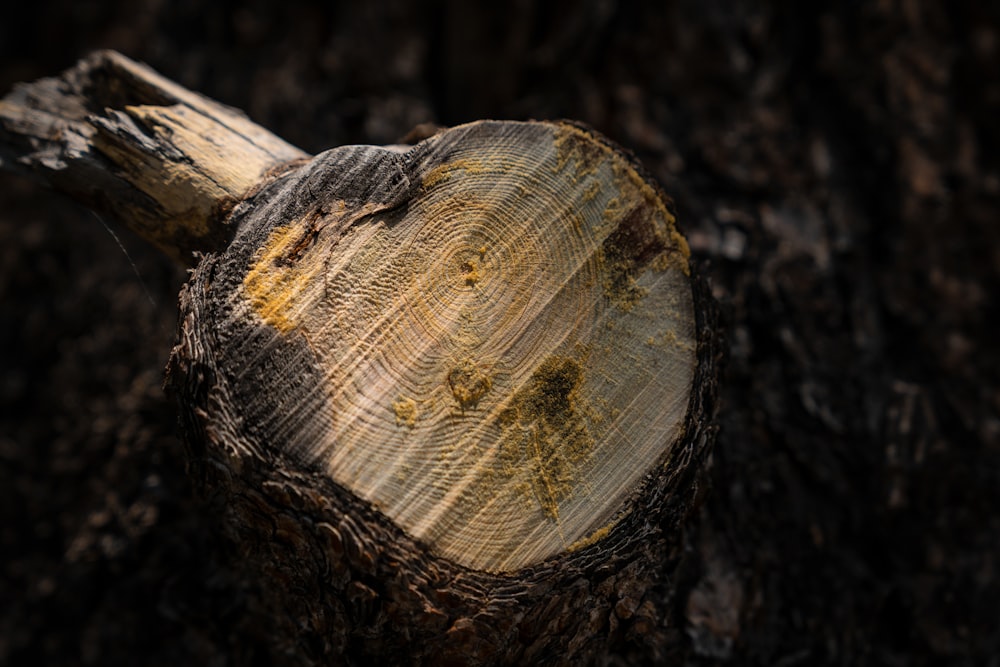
(125, 140)
(501, 366)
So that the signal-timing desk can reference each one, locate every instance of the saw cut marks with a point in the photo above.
(504, 355)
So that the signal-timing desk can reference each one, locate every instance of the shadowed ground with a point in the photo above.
(835, 169)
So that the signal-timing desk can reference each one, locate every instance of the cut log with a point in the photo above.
(453, 401)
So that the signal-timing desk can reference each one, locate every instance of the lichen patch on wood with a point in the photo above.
(593, 538)
(470, 272)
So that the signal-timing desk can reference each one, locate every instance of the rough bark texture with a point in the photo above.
(341, 582)
(835, 166)
(353, 585)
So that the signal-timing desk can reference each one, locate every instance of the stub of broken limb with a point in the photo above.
(120, 138)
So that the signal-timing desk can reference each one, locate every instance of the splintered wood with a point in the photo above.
(124, 140)
(504, 337)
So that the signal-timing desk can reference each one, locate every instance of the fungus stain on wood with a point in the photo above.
(405, 409)
(574, 145)
(276, 278)
(468, 384)
(626, 251)
(545, 439)
(642, 236)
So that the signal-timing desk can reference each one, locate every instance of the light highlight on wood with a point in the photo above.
(505, 355)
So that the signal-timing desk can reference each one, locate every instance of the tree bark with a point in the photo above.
(451, 403)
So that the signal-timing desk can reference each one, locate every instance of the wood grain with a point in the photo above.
(366, 299)
(441, 399)
(497, 343)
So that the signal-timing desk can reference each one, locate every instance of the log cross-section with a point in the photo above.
(498, 346)
(451, 402)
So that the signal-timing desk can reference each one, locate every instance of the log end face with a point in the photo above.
(500, 356)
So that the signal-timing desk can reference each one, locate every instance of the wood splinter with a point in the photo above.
(455, 398)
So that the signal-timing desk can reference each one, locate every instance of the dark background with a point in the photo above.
(835, 166)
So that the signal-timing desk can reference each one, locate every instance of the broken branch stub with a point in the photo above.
(123, 140)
